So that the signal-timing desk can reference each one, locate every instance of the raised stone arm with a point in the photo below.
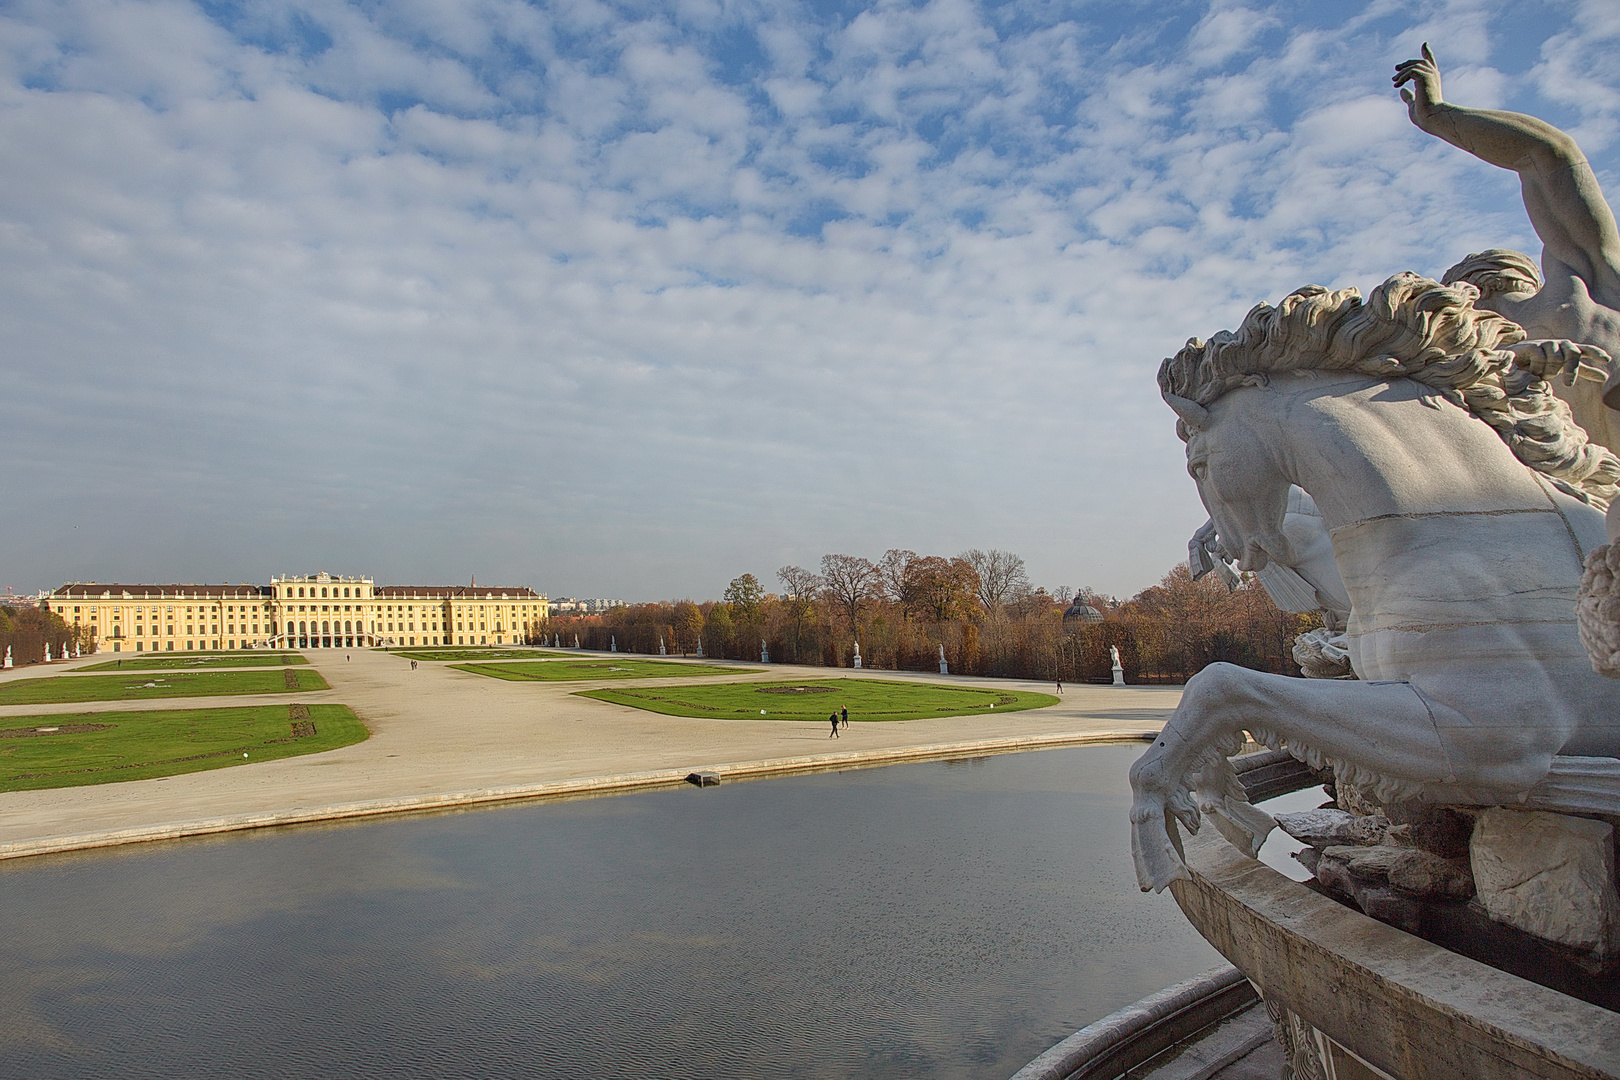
(1561, 193)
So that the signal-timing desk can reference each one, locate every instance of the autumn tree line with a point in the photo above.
(27, 629)
(980, 605)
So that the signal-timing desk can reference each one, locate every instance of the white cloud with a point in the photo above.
(629, 300)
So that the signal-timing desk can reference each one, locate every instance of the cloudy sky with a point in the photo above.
(628, 298)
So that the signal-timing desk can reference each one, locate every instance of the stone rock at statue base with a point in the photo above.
(1328, 828)
(1550, 875)
(1444, 830)
(1357, 799)
(1410, 872)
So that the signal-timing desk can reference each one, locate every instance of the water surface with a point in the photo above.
(926, 920)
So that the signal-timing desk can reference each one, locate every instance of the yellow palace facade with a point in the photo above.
(318, 611)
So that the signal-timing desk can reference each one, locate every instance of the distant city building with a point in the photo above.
(573, 605)
(317, 611)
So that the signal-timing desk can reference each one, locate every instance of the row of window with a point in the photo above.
(287, 591)
(231, 608)
(306, 639)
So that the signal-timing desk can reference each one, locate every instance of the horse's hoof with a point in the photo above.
(1157, 861)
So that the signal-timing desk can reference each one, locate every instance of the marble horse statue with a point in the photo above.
(1460, 500)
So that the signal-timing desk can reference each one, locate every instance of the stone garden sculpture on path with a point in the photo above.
(1461, 501)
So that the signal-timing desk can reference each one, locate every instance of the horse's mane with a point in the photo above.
(1414, 328)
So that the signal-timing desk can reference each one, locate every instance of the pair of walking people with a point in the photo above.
(842, 715)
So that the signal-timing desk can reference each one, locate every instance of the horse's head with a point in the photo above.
(1232, 460)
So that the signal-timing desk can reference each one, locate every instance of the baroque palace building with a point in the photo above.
(319, 611)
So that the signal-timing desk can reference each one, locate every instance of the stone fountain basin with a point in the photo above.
(1412, 1009)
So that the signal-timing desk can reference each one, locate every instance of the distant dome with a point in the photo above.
(1080, 611)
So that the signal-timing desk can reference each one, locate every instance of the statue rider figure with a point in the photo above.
(1570, 308)
(1576, 297)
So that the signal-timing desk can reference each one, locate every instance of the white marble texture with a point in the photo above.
(1461, 564)
(1551, 875)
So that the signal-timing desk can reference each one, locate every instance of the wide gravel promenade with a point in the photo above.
(441, 737)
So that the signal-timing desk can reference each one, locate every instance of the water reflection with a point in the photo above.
(942, 920)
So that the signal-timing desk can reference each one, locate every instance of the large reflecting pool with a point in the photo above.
(928, 920)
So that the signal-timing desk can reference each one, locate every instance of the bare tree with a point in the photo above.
(892, 574)
(802, 589)
(800, 583)
(1001, 577)
(849, 581)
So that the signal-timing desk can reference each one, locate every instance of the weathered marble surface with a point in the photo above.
(1550, 875)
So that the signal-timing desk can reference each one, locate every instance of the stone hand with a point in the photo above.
(1202, 554)
(1553, 356)
(1423, 100)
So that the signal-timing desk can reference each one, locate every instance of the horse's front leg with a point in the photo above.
(1383, 727)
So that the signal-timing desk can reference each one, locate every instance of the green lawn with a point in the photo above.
(148, 662)
(477, 654)
(866, 699)
(102, 747)
(146, 687)
(576, 670)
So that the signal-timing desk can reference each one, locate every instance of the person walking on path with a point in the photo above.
(834, 719)
(844, 712)
(1060, 686)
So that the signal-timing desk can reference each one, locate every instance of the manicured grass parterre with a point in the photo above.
(866, 699)
(137, 687)
(479, 654)
(103, 747)
(139, 662)
(577, 670)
